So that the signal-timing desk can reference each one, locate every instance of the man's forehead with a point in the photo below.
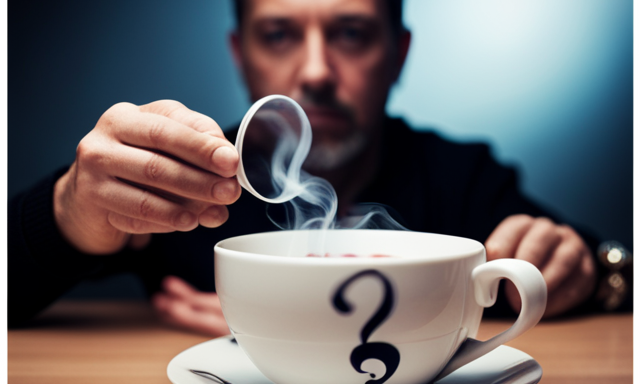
(266, 9)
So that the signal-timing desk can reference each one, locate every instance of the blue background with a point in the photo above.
(547, 83)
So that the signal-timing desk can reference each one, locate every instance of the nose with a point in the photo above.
(317, 72)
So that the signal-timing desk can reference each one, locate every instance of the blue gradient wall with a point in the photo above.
(547, 83)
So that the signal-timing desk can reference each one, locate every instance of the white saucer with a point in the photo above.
(224, 358)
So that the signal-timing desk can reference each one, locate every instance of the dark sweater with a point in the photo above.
(435, 185)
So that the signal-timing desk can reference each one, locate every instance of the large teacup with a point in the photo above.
(406, 318)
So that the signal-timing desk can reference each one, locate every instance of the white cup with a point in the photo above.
(397, 319)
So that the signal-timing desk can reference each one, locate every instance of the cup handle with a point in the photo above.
(485, 279)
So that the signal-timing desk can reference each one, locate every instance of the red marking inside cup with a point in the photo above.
(345, 255)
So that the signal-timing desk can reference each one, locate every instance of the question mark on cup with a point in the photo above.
(386, 353)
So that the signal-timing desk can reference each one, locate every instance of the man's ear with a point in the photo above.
(404, 41)
(236, 49)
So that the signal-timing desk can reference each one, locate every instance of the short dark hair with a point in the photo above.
(394, 7)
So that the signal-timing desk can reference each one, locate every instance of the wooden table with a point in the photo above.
(123, 342)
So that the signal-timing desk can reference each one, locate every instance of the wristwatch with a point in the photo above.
(616, 284)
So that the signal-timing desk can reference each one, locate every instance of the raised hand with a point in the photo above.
(154, 168)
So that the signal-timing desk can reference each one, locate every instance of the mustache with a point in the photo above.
(311, 102)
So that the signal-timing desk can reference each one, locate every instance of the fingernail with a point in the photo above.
(225, 158)
(225, 190)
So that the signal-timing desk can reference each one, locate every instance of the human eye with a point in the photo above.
(352, 36)
(274, 37)
(277, 36)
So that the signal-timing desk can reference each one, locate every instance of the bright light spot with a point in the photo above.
(614, 256)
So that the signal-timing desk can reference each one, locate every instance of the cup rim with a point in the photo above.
(221, 248)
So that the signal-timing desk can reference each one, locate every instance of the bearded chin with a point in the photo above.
(328, 156)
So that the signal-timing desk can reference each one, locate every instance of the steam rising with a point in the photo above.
(276, 143)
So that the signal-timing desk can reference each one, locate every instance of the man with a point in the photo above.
(149, 180)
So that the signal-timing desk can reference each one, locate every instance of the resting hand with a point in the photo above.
(154, 168)
(183, 306)
(558, 251)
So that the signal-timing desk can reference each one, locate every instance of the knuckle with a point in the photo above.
(87, 152)
(183, 220)
(170, 104)
(144, 205)
(518, 220)
(522, 217)
(168, 107)
(156, 133)
(568, 233)
(200, 123)
(153, 169)
(545, 225)
(206, 124)
(121, 107)
(112, 114)
(573, 241)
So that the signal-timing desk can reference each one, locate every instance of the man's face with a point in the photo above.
(337, 58)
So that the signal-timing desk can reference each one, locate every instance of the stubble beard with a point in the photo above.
(331, 155)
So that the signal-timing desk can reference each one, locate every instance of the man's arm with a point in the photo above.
(41, 265)
(139, 171)
(154, 168)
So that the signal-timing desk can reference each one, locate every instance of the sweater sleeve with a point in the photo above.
(41, 264)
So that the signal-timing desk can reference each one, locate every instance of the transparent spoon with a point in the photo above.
(273, 141)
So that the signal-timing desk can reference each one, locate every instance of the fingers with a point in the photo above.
(214, 216)
(136, 226)
(141, 127)
(559, 253)
(156, 168)
(182, 305)
(164, 173)
(182, 315)
(537, 244)
(565, 259)
(573, 290)
(141, 205)
(159, 180)
(180, 289)
(505, 239)
(138, 211)
(179, 112)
